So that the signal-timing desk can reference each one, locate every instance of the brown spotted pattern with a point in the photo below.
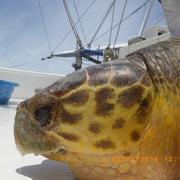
(69, 118)
(95, 128)
(103, 107)
(119, 123)
(77, 98)
(68, 83)
(103, 94)
(99, 75)
(131, 96)
(143, 109)
(125, 74)
(135, 136)
(69, 136)
(105, 144)
(103, 88)
(119, 80)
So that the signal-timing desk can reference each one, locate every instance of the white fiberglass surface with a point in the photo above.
(13, 166)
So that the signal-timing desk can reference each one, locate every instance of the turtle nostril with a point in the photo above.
(18, 107)
(25, 103)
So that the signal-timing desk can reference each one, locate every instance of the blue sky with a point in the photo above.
(22, 37)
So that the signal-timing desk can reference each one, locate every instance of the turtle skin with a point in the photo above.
(117, 120)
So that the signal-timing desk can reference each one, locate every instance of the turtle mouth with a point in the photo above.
(30, 138)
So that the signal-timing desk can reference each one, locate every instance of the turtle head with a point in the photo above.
(99, 110)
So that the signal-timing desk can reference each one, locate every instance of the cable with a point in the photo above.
(119, 26)
(158, 20)
(44, 25)
(112, 19)
(72, 23)
(146, 17)
(82, 29)
(108, 11)
(68, 32)
(65, 60)
(70, 61)
(38, 60)
(22, 64)
(127, 17)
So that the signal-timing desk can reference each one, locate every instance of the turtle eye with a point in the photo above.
(43, 115)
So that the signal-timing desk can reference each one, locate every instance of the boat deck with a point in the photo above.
(17, 167)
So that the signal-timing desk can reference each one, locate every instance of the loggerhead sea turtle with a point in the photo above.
(115, 121)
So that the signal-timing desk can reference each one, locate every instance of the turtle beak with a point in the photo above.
(19, 134)
(29, 138)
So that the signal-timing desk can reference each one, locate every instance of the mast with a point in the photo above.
(78, 64)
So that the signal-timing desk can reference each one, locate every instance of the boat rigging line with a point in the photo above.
(38, 61)
(72, 24)
(119, 26)
(22, 64)
(146, 18)
(102, 22)
(68, 32)
(82, 29)
(159, 20)
(87, 53)
(78, 63)
(127, 17)
(112, 20)
(44, 25)
(71, 61)
(80, 52)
